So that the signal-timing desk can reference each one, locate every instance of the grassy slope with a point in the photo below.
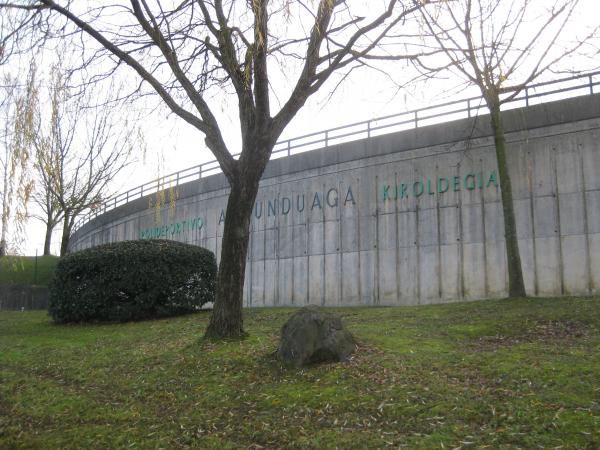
(21, 269)
(503, 374)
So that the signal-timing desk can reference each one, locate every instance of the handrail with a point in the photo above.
(345, 133)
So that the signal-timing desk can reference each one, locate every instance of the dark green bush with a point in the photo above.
(132, 280)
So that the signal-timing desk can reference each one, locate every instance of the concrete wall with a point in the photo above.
(407, 218)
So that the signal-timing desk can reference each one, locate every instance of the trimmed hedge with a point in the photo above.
(132, 280)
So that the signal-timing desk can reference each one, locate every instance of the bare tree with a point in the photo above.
(22, 28)
(77, 155)
(500, 47)
(51, 214)
(192, 52)
(16, 138)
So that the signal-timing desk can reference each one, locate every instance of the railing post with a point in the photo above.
(177, 183)
(416, 119)
(526, 97)
(200, 171)
(289, 147)
(115, 201)
(327, 138)
(369, 129)
(591, 85)
(469, 108)
(142, 190)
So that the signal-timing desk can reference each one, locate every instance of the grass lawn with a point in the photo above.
(22, 269)
(495, 374)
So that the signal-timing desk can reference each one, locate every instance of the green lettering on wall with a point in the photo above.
(492, 180)
(403, 191)
(456, 184)
(443, 189)
(470, 181)
(386, 193)
(418, 188)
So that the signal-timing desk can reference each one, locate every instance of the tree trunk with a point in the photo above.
(516, 287)
(66, 235)
(48, 239)
(226, 320)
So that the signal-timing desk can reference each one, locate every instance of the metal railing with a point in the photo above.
(469, 107)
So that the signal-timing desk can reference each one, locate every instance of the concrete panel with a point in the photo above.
(285, 282)
(407, 229)
(285, 243)
(367, 232)
(574, 266)
(449, 230)
(544, 217)
(548, 271)
(528, 265)
(472, 224)
(300, 281)
(450, 262)
(300, 243)
(368, 287)
(332, 280)
(589, 145)
(315, 279)
(387, 231)
(315, 238)
(332, 236)
(572, 214)
(473, 266)
(258, 246)
(387, 277)
(524, 212)
(569, 169)
(543, 170)
(494, 222)
(594, 240)
(258, 283)
(350, 279)
(349, 234)
(520, 169)
(429, 275)
(409, 276)
(497, 276)
(428, 227)
(593, 211)
(271, 240)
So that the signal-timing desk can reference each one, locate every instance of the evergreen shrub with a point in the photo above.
(132, 280)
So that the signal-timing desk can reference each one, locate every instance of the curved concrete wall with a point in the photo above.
(406, 218)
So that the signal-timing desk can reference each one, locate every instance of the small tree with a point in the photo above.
(18, 104)
(500, 47)
(51, 213)
(77, 155)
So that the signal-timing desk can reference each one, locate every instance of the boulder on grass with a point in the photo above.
(312, 335)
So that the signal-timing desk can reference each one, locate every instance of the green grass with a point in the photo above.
(495, 374)
(23, 270)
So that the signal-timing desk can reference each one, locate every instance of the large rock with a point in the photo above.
(313, 335)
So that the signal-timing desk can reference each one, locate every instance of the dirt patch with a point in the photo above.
(544, 331)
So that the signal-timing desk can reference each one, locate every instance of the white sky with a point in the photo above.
(174, 145)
